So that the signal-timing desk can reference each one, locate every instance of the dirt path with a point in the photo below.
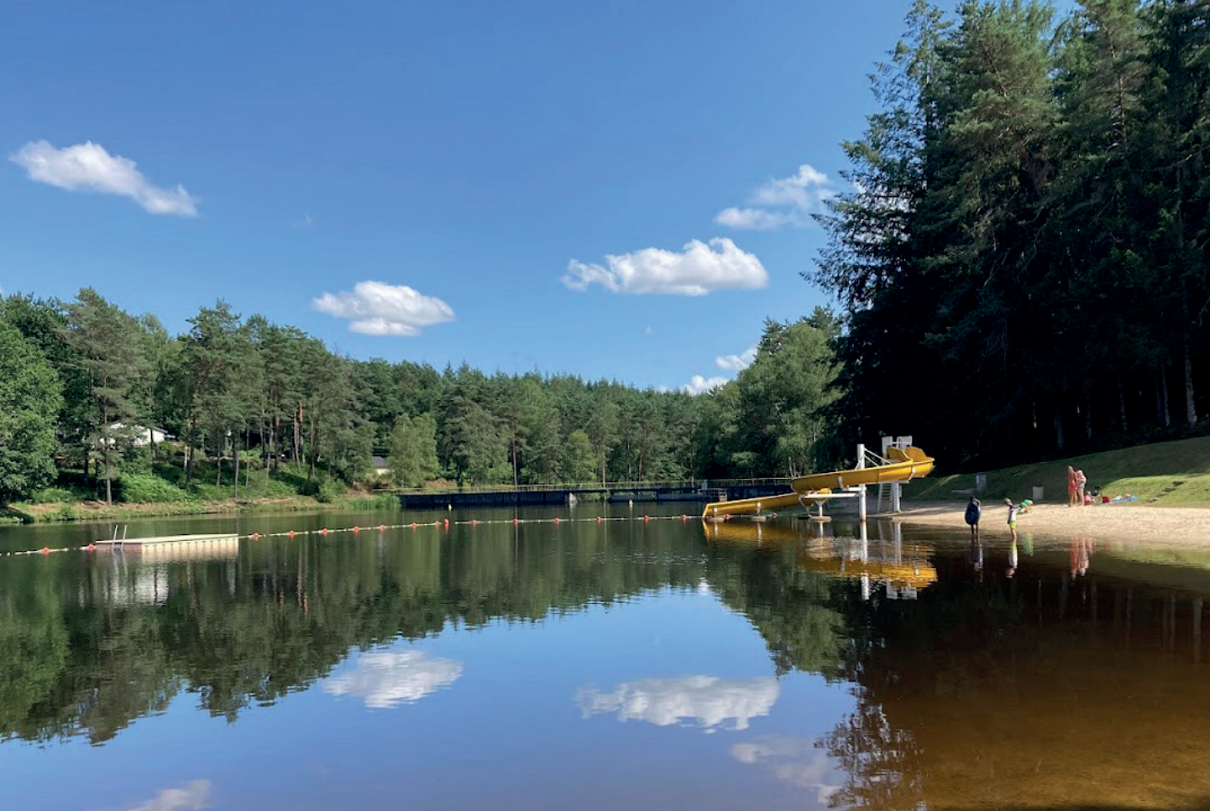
(1176, 526)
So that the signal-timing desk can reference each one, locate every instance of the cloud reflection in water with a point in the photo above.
(796, 761)
(193, 796)
(709, 700)
(384, 679)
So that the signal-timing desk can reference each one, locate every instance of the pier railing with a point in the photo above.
(598, 487)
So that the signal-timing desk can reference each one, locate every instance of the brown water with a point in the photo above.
(600, 665)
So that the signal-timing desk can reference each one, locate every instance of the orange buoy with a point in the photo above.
(45, 550)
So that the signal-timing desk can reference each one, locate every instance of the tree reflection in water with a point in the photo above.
(974, 689)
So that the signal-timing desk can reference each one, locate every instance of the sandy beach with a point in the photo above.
(1175, 526)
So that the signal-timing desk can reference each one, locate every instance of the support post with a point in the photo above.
(895, 496)
(861, 506)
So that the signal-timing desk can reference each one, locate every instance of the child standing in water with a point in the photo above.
(973, 510)
(1013, 509)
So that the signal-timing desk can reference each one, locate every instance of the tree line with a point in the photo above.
(247, 400)
(1021, 260)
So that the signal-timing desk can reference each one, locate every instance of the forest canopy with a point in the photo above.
(1021, 257)
(88, 379)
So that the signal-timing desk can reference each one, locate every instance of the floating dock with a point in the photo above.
(166, 541)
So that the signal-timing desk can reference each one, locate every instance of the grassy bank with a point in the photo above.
(159, 489)
(48, 512)
(1171, 474)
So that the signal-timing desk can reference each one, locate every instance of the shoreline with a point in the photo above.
(1186, 527)
(81, 511)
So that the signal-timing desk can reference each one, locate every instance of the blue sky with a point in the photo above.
(488, 157)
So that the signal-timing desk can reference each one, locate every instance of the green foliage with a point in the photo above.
(53, 495)
(578, 458)
(144, 488)
(255, 410)
(413, 454)
(770, 421)
(1022, 260)
(30, 399)
(109, 343)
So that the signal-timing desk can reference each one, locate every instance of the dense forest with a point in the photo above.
(249, 402)
(1021, 259)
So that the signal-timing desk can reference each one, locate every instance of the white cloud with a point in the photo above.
(700, 385)
(796, 761)
(781, 201)
(88, 167)
(377, 308)
(384, 679)
(755, 219)
(305, 224)
(735, 363)
(708, 700)
(193, 796)
(698, 270)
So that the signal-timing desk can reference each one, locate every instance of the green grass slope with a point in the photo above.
(1170, 474)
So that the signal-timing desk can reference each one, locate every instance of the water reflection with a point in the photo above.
(194, 796)
(385, 679)
(963, 686)
(708, 700)
(797, 761)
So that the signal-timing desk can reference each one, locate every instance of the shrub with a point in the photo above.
(143, 488)
(328, 491)
(50, 495)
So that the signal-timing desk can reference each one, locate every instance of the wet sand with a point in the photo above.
(1174, 526)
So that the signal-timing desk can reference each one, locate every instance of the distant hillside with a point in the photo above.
(1172, 474)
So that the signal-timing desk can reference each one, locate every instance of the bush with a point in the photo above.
(328, 491)
(50, 495)
(143, 488)
(321, 488)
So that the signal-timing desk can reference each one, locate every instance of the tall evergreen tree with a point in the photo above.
(111, 347)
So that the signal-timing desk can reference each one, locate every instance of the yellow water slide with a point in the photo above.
(900, 466)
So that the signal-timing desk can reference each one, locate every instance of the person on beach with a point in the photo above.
(974, 509)
(1081, 483)
(1071, 486)
(1013, 509)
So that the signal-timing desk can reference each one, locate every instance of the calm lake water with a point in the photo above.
(623, 664)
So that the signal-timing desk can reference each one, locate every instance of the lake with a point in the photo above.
(638, 664)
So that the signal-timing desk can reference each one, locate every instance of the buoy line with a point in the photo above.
(357, 530)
